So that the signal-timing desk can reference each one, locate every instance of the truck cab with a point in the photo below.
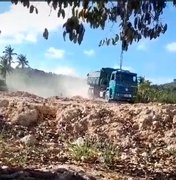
(112, 84)
(122, 86)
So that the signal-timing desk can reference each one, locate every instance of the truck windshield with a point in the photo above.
(126, 78)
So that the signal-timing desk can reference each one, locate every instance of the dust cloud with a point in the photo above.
(46, 84)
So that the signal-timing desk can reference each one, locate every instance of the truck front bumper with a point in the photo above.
(124, 97)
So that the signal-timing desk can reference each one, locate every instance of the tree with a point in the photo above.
(9, 53)
(22, 61)
(141, 80)
(4, 67)
(137, 18)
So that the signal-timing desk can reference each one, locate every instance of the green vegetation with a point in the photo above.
(22, 61)
(8, 54)
(84, 152)
(95, 151)
(153, 93)
(6, 61)
(4, 67)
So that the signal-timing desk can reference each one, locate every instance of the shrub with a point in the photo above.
(148, 93)
(93, 150)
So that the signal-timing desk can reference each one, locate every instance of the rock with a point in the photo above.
(123, 156)
(174, 119)
(4, 103)
(144, 154)
(29, 140)
(26, 118)
(170, 134)
(4, 167)
(51, 145)
(155, 125)
(145, 121)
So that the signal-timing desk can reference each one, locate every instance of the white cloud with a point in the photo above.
(90, 52)
(144, 44)
(171, 47)
(64, 70)
(18, 25)
(14, 64)
(18, 39)
(55, 53)
(31, 38)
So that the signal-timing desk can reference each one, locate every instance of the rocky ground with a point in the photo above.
(76, 138)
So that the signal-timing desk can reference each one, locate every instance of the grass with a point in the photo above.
(84, 152)
(94, 151)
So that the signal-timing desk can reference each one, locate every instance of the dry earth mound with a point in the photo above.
(136, 140)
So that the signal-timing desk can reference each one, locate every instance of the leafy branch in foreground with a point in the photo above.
(137, 19)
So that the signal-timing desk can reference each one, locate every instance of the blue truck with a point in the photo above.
(112, 85)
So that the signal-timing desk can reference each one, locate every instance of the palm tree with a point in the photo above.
(9, 53)
(4, 67)
(22, 61)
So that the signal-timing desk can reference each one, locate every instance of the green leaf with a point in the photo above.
(65, 4)
(14, 1)
(116, 38)
(108, 42)
(64, 35)
(80, 14)
(54, 5)
(31, 9)
(26, 3)
(36, 10)
(46, 33)
(164, 28)
(113, 41)
(48, 1)
(73, 12)
(77, 13)
(71, 36)
(75, 39)
(59, 13)
(135, 22)
(85, 4)
(63, 13)
(100, 43)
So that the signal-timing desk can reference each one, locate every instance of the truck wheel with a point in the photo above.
(107, 98)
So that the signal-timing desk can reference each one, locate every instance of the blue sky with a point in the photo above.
(156, 60)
